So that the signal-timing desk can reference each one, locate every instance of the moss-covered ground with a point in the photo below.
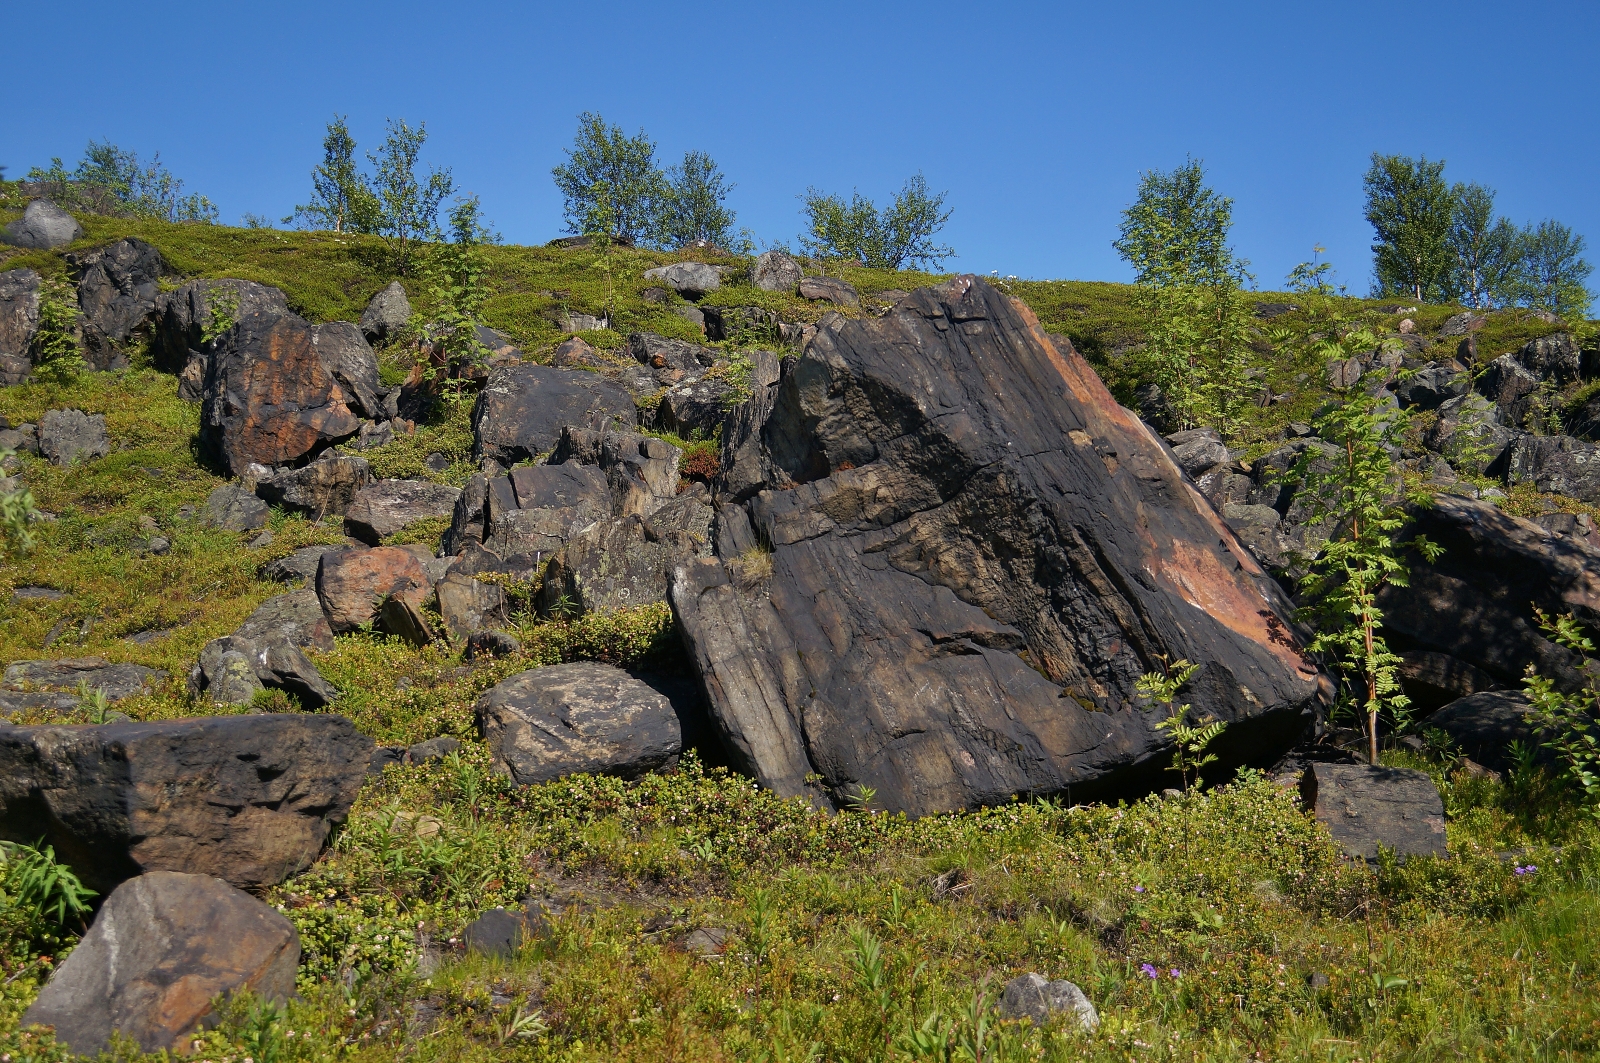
(1216, 925)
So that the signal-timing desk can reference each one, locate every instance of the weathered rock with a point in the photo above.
(670, 361)
(69, 436)
(743, 467)
(350, 360)
(1198, 449)
(521, 410)
(1468, 433)
(539, 507)
(501, 932)
(1463, 323)
(269, 645)
(576, 352)
(629, 561)
(1432, 679)
(1364, 806)
(1433, 386)
(1556, 463)
(269, 395)
(19, 320)
(118, 286)
(386, 314)
(829, 289)
(692, 407)
(298, 566)
(296, 617)
(431, 750)
(469, 605)
(1507, 383)
(42, 225)
(115, 681)
(1344, 375)
(1475, 601)
(401, 615)
(249, 799)
(979, 555)
(641, 471)
(466, 519)
(689, 279)
(583, 717)
(390, 505)
(1037, 998)
(185, 317)
(490, 644)
(742, 324)
(235, 507)
(352, 584)
(1555, 358)
(1486, 725)
(163, 948)
(706, 942)
(776, 272)
(326, 487)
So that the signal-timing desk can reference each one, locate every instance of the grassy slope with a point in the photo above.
(1235, 888)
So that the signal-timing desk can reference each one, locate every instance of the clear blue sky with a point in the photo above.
(1037, 117)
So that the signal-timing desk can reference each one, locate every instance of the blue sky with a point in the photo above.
(1036, 117)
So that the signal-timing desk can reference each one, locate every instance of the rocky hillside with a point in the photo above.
(745, 659)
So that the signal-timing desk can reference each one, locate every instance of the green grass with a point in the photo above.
(1235, 887)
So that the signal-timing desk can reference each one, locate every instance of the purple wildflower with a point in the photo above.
(1525, 869)
(1140, 889)
(1177, 973)
(1149, 969)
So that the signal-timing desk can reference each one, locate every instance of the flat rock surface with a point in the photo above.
(521, 410)
(249, 799)
(300, 565)
(388, 506)
(582, 717)
(235, 507)
(116, 681)
(975, 553)
(68, 436)
(163, 947)
(1364, 806)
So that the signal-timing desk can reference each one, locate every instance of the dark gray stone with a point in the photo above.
(162, 950)
(501, 932)
(641, 471)
(1469, 433)
(1364, 806)
(950, 547)
(692, 409)
(1433, 387)
(118, 286)
(469, 605)
(296, 617)
(1198, 450)
(235, 507)
(1558, 464)
(1507, 383)
(386, 314)
(1484, 726)
(1432, 679)
(742, 463)
(582, 717)
(19, 320)
(250, 799)
(1038, 999)
(539, 507)
(298, 566)
(185, 316)
(490, 644)
(42, 225)
(1555, 358)
(69, 436)
(521, 410)
(670, 361)
(615, 564)
(388, 506)
(829, 289)
(326, 487)
(115, 681)
(775, 271)
(350, 360)
(433, 749)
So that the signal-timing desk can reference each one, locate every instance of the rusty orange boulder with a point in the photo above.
(958, 557)
(352, 584)
(163, 948)
(270, 397)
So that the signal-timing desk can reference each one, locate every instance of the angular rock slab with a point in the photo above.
(118, 286)
(386, 315)
(1484, 726)
(388, 506)
(352, 584)
(162, 948)
(582, 717)
(115, 681)
(19, 320)
(326, 487)
(249, 799)
(626, 562)
(1364, 806)
(184, 316)
(521, 410)
(979, 554)
(269, 398)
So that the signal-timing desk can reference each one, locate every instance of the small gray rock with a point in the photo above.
(1032, 996)
(298, 566)
(776, 272)
(433, 749)
(235, 507)
(43, 225)
(829, 289)
(706, 942)
(68, 436)
(490, 644)
(388, 506)
(689, 279)
(501, 932)
(386, 315)
(1364, 806)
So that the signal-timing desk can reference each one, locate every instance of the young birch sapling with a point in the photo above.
(1190, 741)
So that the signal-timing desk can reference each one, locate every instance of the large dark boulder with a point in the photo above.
(163, 948)
(1558, 464)
(19, 320)
(538, 507)
(269, 397)
(351, 361)
(1475, 602)
(42, 225)
(975, 554)
(325, 487)
(641, 471)
(522, 409)
(249, 799)
(628, 561)
(118, 286)
(742, 463)
(582, 717)
(1365, 806)
(1485, 726)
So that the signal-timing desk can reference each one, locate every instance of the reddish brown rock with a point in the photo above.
(163, 948)
(269, 397)
(352, 584)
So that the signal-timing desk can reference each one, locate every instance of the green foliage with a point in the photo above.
(1190, 742)
(1410, 209)
(56, 357)
(1554, 270)
(17, 511)
(222, 313)
(454, 274)
(35, 883)
(341, 198)
(899, 235)
(1570, 721)
(111, 180)
(1487, 251)
(693, 204)
(610, 183)
(1190, 296)
(407, 204)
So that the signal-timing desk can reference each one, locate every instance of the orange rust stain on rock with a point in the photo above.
(1203, 581)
